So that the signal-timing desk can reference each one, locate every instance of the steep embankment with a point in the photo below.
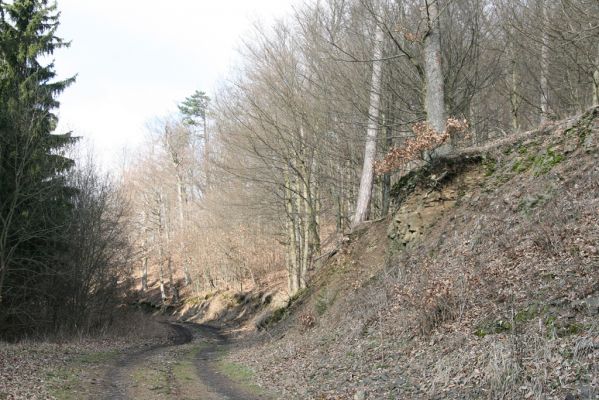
(483, 284)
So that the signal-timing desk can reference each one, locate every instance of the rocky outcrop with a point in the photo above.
(430, 199)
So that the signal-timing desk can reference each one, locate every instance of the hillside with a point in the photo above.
(482, 284)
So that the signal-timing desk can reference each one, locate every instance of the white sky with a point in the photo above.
(136, 59)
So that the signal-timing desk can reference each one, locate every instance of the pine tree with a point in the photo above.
(194, 110)
(194, 107)
(34, 199)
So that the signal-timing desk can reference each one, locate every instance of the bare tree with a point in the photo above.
(366, 181)
(435, 92)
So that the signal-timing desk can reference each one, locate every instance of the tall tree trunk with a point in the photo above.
(514, 98)
(339, 214)
(300, 221)
(144, 249)
(196, 285)
(435, 90)
(544, 80)
(161, 273)
(350, 190)
(184, 259)
(3, 269)
(165, 238)
(308, 225)
(366, 181)
(206, 151)
(174, 288)
(596, 80)
(386, 184)
(144, 273)
(292, 251)
(314, 206)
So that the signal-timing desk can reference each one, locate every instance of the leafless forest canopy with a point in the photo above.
(328, 108)
(303, 142)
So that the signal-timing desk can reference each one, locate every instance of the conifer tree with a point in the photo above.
(34, 198)
(194, 107)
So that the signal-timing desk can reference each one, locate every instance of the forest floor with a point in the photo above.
(482, 284)
(186, 362)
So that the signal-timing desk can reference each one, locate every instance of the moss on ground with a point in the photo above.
(493, 328)
(545, 161)
(554, 326)
(184, 369)
(489, 165)
(63, 382)
(241, 375)
(98, 357)
(283, 312)
(72, 381)
(156, 380)
(324, 299)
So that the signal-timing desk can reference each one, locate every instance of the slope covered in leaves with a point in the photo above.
(483, 284)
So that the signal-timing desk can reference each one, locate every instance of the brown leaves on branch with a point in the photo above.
(425, 139)
(408, 35)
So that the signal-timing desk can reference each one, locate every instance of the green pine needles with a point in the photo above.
(35, 200)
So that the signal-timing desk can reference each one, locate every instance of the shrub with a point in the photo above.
(425, 139)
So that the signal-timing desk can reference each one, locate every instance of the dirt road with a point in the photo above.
(191, 367)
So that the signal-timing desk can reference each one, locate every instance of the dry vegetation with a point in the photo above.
(67, 367)
(496, 299)
(478, 278)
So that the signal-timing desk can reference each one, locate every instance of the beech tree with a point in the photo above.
(340, 89)
(366, 181)
(435, 92)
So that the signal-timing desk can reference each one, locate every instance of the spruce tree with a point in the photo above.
(34, 199)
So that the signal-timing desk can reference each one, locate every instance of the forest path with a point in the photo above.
(191, 367)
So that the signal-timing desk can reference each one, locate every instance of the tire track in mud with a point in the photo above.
(116, 379)
(217, 385)
(209, 374)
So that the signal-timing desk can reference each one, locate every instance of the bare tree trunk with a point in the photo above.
(386, 184)
(389, 123)
(544, 102)
(349, 193)
(184, 260)
(2, 275)
(435, 91)
(288, 263)
(174, 288)
(144, 273)
(314, 206)
(206, 151)
(196, 285)
(161, 274)
(514, 98)
(303, 244)
(292, 264)
(144, 249)
(307, 222)
(596, 80)
(164, 230)
(365, 191)
(339, 212)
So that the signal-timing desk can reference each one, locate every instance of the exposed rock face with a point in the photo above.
(487, 289)
(428, 202)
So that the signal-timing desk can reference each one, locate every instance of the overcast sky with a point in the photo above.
(136, 59)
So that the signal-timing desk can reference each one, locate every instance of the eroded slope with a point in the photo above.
(483, 284)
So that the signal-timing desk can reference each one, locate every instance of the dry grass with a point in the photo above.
(492, 302)
(43, 368)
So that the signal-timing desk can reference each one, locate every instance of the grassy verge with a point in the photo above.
(79, 378)
(168, 375)
(241, 375)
